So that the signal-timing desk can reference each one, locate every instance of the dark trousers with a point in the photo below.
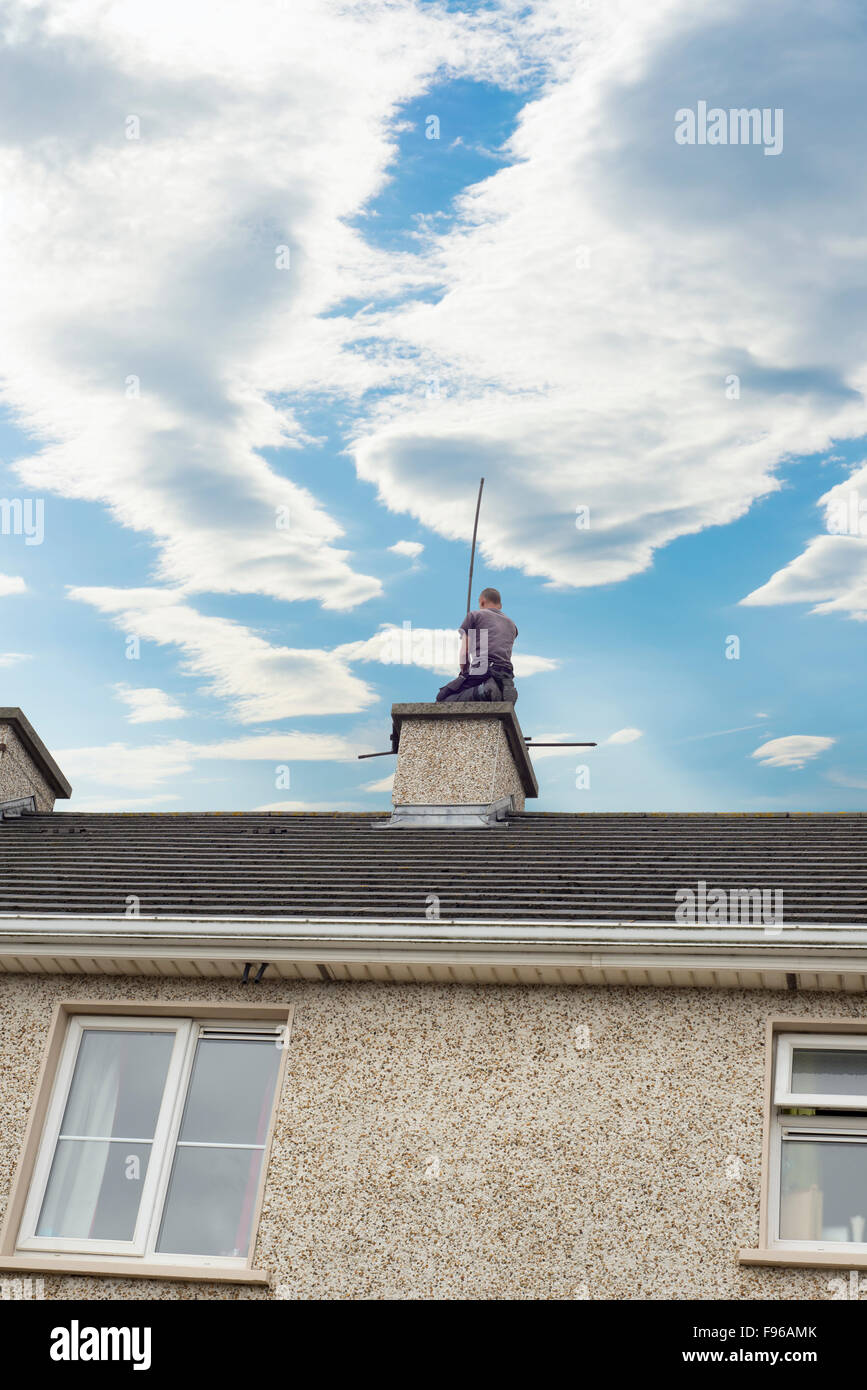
(498, 685)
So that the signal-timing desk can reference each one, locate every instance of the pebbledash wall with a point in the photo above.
(489, 1142)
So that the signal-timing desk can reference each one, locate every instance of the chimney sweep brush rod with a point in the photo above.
(473, 549)
(530, 744)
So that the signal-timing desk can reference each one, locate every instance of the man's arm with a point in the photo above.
(463, 652)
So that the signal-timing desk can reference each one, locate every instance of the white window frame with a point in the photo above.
(851, 1127)
(187, 1031)
(814, 1042)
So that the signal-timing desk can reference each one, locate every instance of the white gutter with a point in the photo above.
(147, 927)
(834, 948)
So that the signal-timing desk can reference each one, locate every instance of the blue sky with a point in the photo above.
(345, 267)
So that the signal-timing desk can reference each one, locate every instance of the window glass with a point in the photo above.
(218, 1159)
(822, 1070)
(118, 1082)
(823, 1192)
(102, 1155)
(210, 1202)
(231, 1091)
(94, 1190)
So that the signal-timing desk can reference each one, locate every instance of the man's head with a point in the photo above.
(490, 598)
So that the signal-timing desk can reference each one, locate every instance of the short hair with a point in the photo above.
(492, 596)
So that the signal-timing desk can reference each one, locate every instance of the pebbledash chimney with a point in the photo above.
(458, 765)
(30, 779)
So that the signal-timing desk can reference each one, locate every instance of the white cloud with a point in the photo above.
(156, 393)
(792, 751)
(383, 784)
(119, 765)
(583, 311)
(284, 747)
(151, 765)
(412, 549)
(619, 327)
(13, 658)
(11, 584)
(621, 736)
(831, 572)
(435, 649)
(527, 665)
(259, 681)
(148, 705)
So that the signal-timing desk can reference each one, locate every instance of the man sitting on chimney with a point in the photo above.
(486, 651)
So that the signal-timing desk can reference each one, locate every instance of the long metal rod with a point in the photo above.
(473, 549)
(528, 741)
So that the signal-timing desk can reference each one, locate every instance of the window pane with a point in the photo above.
(231, 1092)
(209, 1206)
(94, 1190)
(118, 1083)
(842, 1073)
(824, 1191)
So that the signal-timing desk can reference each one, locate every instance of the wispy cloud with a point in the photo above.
(570, 331)
(383, 784)
(831, 572)
(718, 733)
(11, 584)
(793, 751)
(151, 765)
(259, 681)
(845, 779)
(148, 704)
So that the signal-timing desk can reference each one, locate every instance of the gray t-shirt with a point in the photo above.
(490, 634)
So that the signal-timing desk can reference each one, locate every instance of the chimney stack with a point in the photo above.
(459, 765)
(30, 779)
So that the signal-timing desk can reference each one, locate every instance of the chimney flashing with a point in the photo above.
(470, 817)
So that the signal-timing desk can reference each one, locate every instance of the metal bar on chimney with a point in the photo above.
(529, 742)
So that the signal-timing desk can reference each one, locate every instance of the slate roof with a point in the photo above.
(541, 867)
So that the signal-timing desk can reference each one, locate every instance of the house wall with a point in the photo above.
(19, 775)
(440, 1142)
